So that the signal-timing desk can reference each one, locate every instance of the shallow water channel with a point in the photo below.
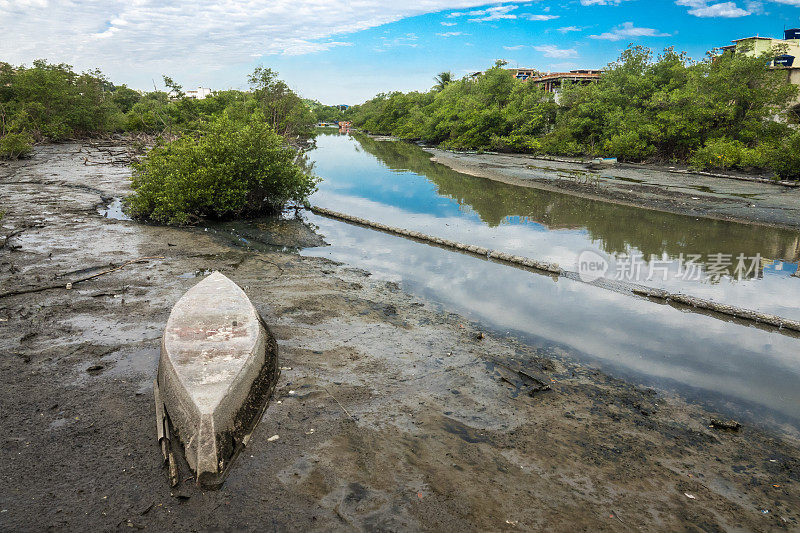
(740, 369)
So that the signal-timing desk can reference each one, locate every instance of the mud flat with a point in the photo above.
(390, 412)
(658, 188)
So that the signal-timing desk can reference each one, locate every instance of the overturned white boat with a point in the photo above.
(218, 367)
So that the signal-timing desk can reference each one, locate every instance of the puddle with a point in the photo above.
(703, 188)
(134, 366)
(195, 274)
(631, 180)
(58, 423)
(113, 210)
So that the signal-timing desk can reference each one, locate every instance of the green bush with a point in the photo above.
(628, 146)
(525, 144)
(229, 169)
(16, 145)
(784, 159)
(722, 154)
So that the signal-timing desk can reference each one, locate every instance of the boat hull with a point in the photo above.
(218, 367)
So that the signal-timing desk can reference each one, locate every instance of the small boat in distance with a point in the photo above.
(218, 368)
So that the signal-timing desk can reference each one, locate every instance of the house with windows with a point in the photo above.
(523, 73)
(785, 50)
(786, 53)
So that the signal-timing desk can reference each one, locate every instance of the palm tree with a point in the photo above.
(442, 80)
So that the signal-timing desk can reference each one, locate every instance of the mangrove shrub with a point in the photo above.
(15, 145)
(724, 112)
(227, 169)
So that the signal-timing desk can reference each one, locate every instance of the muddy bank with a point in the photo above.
(445, 433)
(639, 186)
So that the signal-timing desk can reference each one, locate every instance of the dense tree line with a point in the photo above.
(327, 113)
(730, 111)
(52, 102)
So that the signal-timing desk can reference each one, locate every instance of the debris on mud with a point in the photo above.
(727, 425)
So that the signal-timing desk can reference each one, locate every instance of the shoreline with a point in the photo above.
(684, 193)
(453, 428)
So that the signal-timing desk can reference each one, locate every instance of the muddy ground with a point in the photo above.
(391, 414)
(639, 186)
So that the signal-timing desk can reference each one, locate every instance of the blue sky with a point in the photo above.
(341, 51)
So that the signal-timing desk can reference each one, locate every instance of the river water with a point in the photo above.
(738, 369)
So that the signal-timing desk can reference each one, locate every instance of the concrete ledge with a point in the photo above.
(698, 303)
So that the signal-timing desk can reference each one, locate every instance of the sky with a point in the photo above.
(340, 51)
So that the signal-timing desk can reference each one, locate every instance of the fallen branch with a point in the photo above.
(340, 404)
(17, 232)
(70, 284)
(8, 237)
(86, 161)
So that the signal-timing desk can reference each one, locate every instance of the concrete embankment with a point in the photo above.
(553, 268)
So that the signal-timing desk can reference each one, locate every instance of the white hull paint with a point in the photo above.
(218, 366)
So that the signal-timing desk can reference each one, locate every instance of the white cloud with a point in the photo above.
(450, 34)
(567, 29)
(516, 47)
(489, 14)
(550, 50)
(539, 17)
(701, 8)
(144, 38)
(408, 39)
(601, 2)
(449, 23)
(501, 12)
(627, 30)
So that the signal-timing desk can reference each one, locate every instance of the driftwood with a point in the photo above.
(70, 284)
(17, 232)
(8, 237)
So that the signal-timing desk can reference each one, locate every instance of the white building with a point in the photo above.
(199, 93)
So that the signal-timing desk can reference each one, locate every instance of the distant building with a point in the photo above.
(552, 82)
(342, 107)
(523, 73)
(786, 50)
(755, 46)
(199, 93)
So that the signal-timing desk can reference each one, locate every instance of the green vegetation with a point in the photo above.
(283, 109)
(443, 79)
(718, 113)
(232, 154)
(48, 102)
(226, 169)
(16, 145)
(53, 102)
(327, 113)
